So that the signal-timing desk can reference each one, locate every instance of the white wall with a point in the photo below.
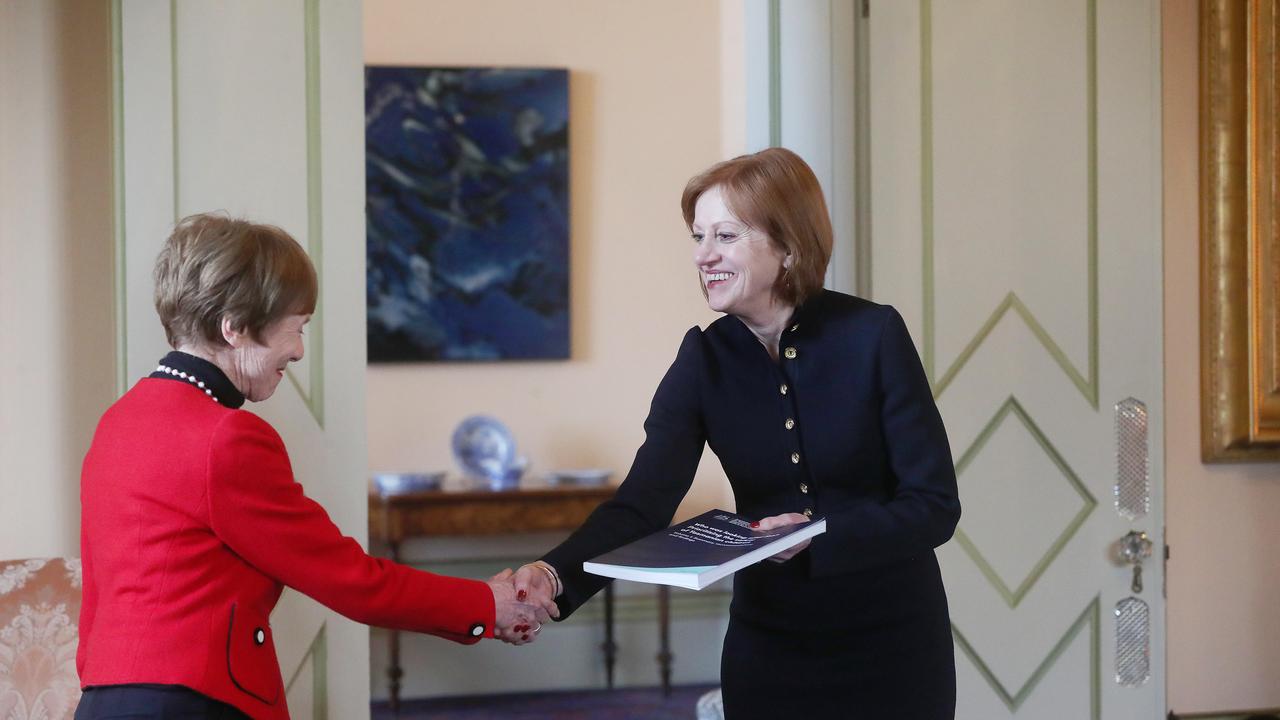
(56, 325)
(645, 106)
(1223, 521)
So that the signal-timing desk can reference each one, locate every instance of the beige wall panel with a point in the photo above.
(1011, 154)
(146, 164)
(1224, 575)
(56, 330)
(644, 118)
(240, 116)
(895, 161)
(645, 96)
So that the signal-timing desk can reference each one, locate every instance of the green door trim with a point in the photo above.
(1014, 596)
(315, 217)
(318, 653)
(775, 73)
(1091, 616)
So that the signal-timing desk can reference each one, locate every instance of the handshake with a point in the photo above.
(523, 600)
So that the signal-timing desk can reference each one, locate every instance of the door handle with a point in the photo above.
(1132, 549)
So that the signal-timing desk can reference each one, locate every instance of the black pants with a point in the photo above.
(152, 702)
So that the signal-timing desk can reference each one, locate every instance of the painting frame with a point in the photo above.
(1239, 242)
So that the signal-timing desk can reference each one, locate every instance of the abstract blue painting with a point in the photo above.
(467, 208)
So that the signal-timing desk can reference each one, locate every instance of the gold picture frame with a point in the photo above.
(1239, 243)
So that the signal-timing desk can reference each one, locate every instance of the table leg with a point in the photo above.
(394, 672)
(664, 638)
(610, 647)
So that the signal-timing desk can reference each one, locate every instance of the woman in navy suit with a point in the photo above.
(816, 404)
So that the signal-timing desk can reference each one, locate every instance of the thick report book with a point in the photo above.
(699, 551)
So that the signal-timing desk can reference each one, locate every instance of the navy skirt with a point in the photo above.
(768, 675)
(152, 702)
(864, 646)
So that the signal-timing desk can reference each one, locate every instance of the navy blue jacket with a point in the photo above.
(842, 425)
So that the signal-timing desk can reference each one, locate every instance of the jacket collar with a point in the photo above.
(215, 382)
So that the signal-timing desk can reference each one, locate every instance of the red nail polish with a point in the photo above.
(526, 638)
(522, 595)
(755, 524)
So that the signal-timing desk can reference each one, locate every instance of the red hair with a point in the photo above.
(776, 192)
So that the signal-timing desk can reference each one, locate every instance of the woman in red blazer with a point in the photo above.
(192, 522)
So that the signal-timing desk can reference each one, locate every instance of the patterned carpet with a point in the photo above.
(625, 704)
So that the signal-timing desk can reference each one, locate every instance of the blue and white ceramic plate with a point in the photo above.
(484, 447)
(399, 483)
(590, 476)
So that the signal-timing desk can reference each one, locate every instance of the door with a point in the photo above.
(255, 108)
(1014, 194)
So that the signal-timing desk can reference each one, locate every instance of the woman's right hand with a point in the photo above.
(777, 521)
(515, 622)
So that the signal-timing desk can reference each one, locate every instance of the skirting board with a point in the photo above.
(1228, 715)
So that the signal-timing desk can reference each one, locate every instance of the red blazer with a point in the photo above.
(191, 526)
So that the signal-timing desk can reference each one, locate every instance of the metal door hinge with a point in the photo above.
(1164, 575)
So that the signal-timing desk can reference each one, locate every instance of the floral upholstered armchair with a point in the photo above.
(39, 615)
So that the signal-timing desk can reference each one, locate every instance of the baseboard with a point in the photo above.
(1271, 714)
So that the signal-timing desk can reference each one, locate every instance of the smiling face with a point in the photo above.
(738, 264)
(258, 365)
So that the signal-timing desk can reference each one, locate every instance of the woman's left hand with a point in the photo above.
(777, 521)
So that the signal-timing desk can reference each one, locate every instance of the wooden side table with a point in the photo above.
(454, 512)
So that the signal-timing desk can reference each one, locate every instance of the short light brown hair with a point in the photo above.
(774, 191)
(215, 266)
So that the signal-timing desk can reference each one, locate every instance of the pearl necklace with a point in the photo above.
(188, 377)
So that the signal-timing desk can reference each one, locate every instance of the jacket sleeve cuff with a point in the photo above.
(466, 613)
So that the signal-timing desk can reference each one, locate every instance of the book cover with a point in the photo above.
(699, 551)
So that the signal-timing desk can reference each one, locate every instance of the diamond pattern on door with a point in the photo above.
(1090, 617)
(1022, 469)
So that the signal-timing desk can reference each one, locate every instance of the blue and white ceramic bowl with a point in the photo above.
(588, 476)
(485, 449)
(400, 483)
